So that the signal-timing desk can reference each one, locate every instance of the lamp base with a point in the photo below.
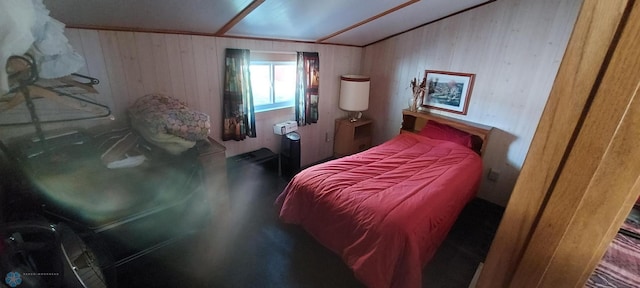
(354, 116)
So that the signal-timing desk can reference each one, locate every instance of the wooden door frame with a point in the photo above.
(571, 149)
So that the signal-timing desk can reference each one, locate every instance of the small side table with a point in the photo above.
(352, 137)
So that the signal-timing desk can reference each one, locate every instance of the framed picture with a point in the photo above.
(448, 91)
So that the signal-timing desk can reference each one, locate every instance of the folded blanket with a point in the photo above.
(168, 122)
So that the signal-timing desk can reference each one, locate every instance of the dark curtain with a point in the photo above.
(238, 114)
(307, 84)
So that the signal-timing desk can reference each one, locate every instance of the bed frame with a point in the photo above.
(413, 122)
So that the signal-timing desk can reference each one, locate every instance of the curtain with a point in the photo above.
(238, 114)
(307, 84)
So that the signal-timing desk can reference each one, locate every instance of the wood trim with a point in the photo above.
(138, 29)
(289, 41)
(221, 32)
(252, 6)
(380, 15)
(576, 83)
(180, 32)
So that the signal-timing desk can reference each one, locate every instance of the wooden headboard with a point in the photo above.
(413, 122)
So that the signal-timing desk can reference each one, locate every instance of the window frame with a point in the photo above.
(273, 105)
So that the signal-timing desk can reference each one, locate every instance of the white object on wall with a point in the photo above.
(354, 95)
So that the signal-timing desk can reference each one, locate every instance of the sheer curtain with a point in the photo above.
(237, 110)
(307, 84)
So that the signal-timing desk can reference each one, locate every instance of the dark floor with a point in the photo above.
(256, 250)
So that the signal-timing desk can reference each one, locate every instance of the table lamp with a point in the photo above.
(354, 95)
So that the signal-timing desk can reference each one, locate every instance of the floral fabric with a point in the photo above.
(238, 114)
(161, 114)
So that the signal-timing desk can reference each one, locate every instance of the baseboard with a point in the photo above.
(474, 280)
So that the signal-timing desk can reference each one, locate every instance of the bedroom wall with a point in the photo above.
(513, 46)
(132, 64)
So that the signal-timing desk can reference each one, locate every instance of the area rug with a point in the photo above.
(620, 266)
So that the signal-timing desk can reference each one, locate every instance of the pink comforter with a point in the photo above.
(385, 210)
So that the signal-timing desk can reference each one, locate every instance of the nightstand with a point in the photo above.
(352, 137)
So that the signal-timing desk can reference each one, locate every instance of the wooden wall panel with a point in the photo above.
(594, 190)
(163, 68)
(146, 60)
(578, 75)
(188, 70)
(76, 41)
(176, 73)
(132, 64)
(200, 73)
(513, 46)
(116, 77)
(96, 66)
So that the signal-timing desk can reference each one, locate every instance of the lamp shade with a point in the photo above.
(354, 93)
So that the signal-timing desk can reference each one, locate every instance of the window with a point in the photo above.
(273, 83)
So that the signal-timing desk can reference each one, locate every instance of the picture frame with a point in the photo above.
(448, 91)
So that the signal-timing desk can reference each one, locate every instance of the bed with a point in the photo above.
(386, 210)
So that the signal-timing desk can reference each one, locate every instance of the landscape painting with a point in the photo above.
(448, 91)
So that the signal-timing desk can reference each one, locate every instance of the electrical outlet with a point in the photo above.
(493, 175)
(326, 137)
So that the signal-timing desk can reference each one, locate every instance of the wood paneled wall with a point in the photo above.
(513, 46)
(580, 178)
(132, 64)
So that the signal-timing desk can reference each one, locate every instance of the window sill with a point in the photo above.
(272, 109)
(276, 113)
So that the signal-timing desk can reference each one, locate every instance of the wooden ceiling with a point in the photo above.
(352, 22)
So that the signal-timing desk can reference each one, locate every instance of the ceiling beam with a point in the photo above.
(239, 17)
(380, 15)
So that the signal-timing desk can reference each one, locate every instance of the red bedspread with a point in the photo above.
(385, 210)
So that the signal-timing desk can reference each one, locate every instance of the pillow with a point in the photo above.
(436, 130)
(162, 114)
(168, 123)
